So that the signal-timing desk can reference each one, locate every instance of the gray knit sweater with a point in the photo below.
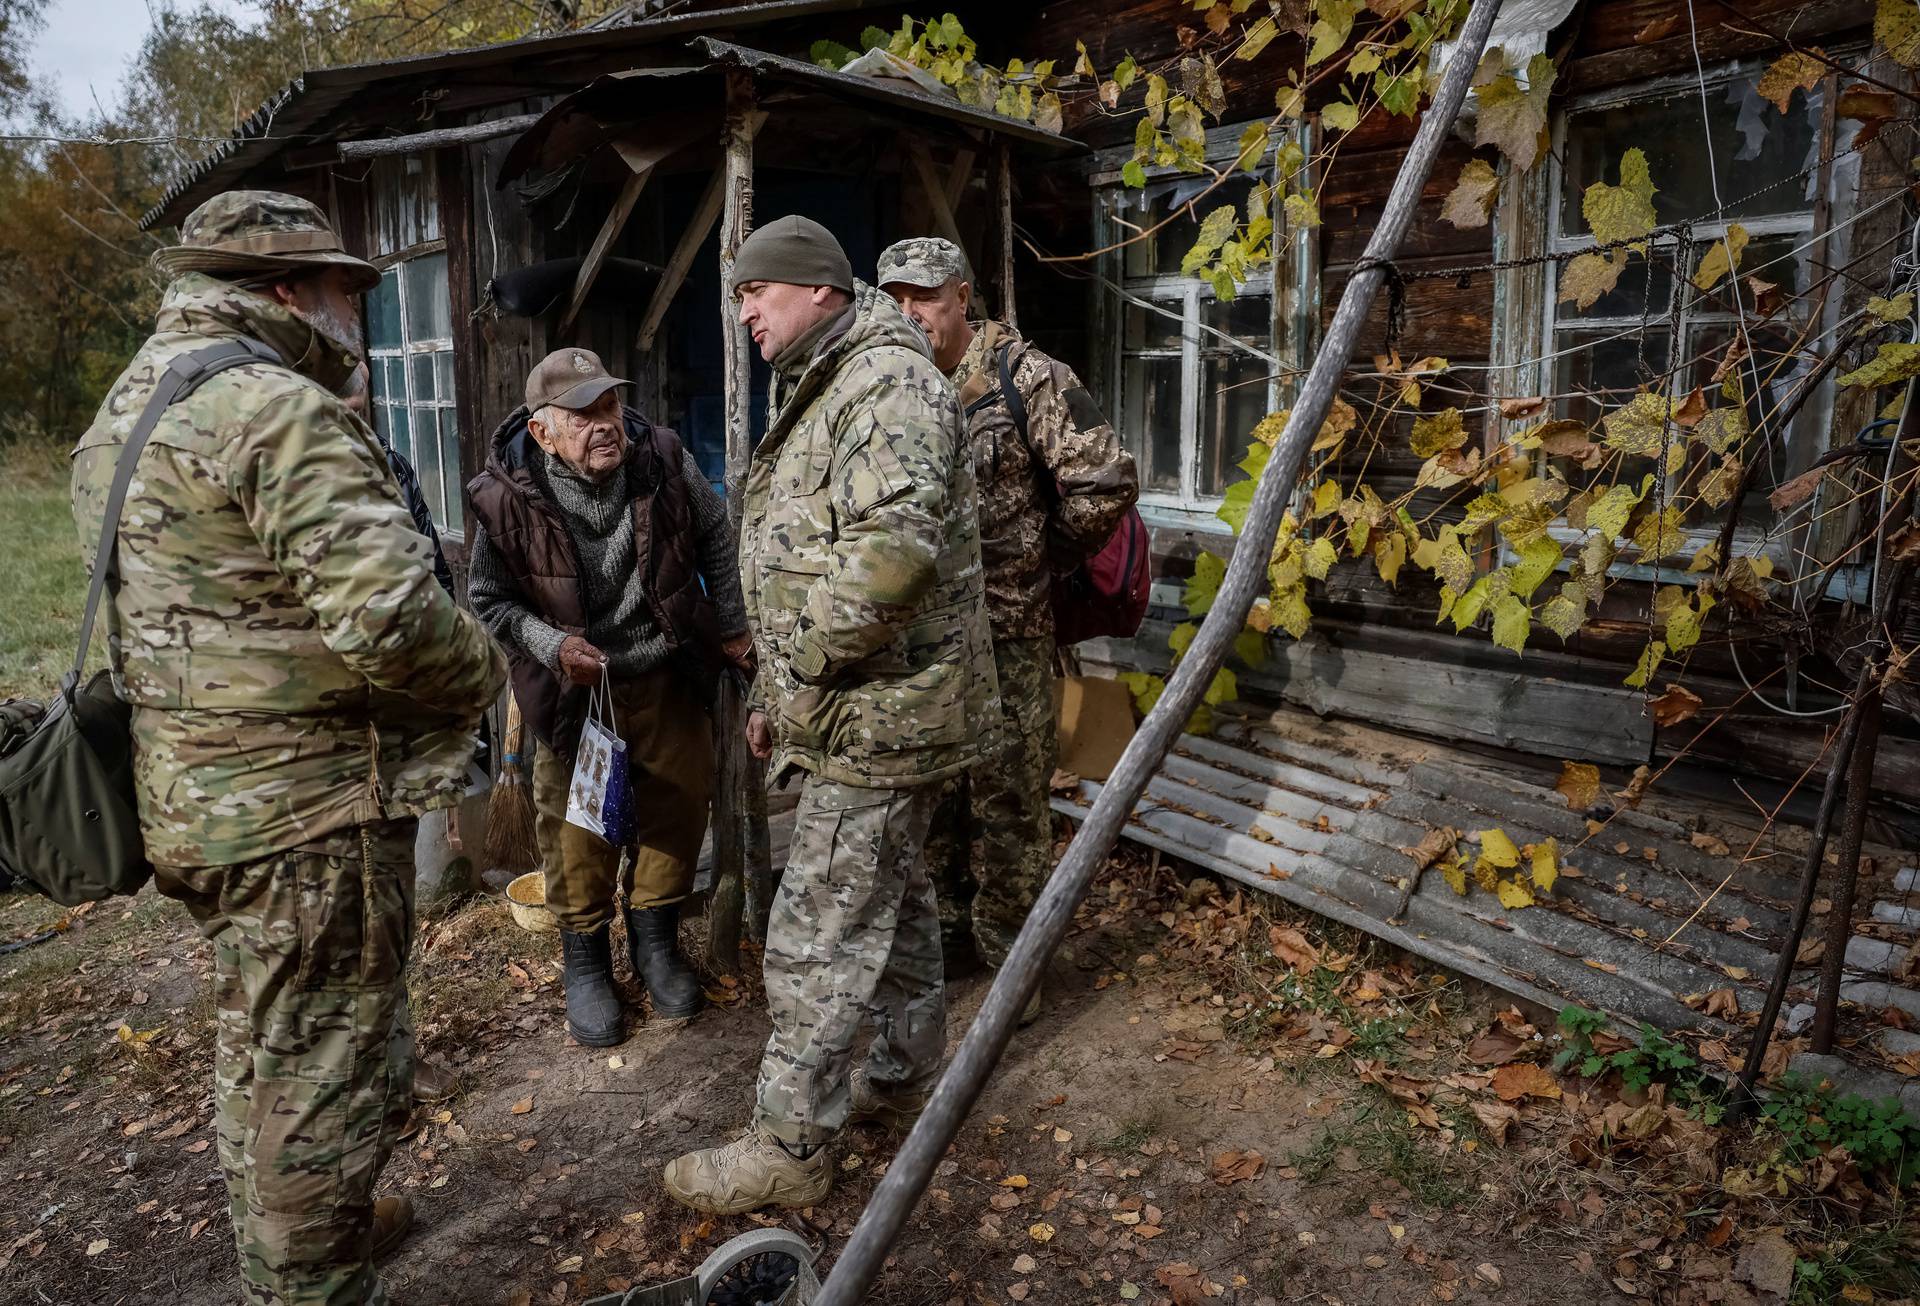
(600, 519)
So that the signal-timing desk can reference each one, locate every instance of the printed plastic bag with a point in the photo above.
(600, 798)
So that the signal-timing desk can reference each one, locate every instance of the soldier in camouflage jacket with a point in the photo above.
(302, 690)
(860, 560)
(1052, 491)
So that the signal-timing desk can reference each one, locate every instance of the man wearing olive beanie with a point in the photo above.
(860, 567)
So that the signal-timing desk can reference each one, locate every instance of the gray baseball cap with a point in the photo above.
(926, 261)
(569, 378)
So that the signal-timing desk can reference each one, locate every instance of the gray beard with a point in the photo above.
(340, 330)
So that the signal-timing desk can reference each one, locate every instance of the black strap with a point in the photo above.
(1007, 360)
(183, 375)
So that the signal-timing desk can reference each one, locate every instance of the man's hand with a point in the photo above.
(581, 662)
(739, 651)
(759, 736)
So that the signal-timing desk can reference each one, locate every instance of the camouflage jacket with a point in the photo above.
(1048, 502)
(293, 666)
(860, 563)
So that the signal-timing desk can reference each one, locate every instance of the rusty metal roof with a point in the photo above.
(298, 112)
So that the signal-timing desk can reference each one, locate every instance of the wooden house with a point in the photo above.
(580, 188)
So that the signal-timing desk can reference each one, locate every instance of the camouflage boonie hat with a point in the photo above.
(248, 233)
(925, 261)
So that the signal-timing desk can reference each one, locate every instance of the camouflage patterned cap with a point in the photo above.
(925, 261)
(248, 233)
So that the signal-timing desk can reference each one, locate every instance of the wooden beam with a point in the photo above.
(705, 214)
(742, 870)
(935, 190)
(1003, 230)
(958, 177)
(597, 255)
(440, 138)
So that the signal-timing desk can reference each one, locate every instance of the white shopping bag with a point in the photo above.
(600, 798)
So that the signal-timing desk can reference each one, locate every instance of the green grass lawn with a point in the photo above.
(42, 588)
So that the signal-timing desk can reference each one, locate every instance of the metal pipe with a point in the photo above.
(907, 1178)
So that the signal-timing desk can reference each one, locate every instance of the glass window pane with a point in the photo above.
(443, 374)
(1607, 372)
(421, 367)
(383, 312)
(1151, 404)
(1777, 260)
(1645, 289)
(1148, 329)
(398, 430)
(1245, 317)
(1233, 399)
(426, 460)
(454, 517)
(428, 316)
(1757, 152)
(1135, 211)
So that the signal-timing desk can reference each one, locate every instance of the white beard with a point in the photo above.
(340, 330)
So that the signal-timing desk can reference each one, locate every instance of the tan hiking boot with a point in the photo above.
(433, 1082)
(752, 1171)
(392, 1219)
(894, 1109)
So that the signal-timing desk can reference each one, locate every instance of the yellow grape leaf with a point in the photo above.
(1897, 309)
(1793, 71)
(1721, 482)
(1638, 426)
(1389, 555)
(1590, 276)
(1722, 428)
(1562, 614)
(1514, 894)
(1340, 115)
(1623, 212)
(1470, 203)
(1326, 498)
(1896, 25)
(1302, 210)
(1321, 556)
(1341, 418)
(1453, 565)
(1649, 663)
(1538, 558)
(1660, 535)
(1890, 363)
(1442, 431)
(1290, 611)
(1546, 863)
(1454, 872)
(1498, 849)
(1723, 258)
(1485, 873)
(1579, 784)
(1257, 38)
(1512, 619)
(1513, 118)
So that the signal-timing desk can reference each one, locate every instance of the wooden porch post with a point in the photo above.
(1002, 253)
(742, 873)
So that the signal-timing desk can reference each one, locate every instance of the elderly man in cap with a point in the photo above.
(302, 690)
(601, 556)
(861, 566)
(1054, 482)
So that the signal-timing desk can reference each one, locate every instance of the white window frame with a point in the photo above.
(1816, 417)
(443, 492)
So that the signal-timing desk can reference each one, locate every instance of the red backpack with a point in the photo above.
(1105, 596)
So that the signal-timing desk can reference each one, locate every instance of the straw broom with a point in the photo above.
(511, 845)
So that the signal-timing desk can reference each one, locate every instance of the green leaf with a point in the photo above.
(1608, 514)
(1563, 613)
(1660, 535)
(1340, 115)
(1132, 174)
(1623, 212)
(1124, 72)
(1253, 146)
(1181, 639)
(1214, 230)
(1235, 504)
(1250, 646)
(1649, 663)
(1204, 585)
(872, 38)
(1468, 607)
(829, 54)
(1511, 621)
(1156, 98)
(1302, 210)
(1889, 364)
(1257, 39)
(1331, 30)
(1538, 558)
(1224, 689)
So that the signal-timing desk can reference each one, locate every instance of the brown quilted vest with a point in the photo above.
(532, 538)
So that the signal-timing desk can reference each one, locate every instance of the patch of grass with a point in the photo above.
(1882, 1258)
(1132, 1134)
(1385, 1143)
(42, 588)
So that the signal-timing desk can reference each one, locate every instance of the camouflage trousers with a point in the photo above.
(854, 937)
(991, 846)
(313, 1064)
(669, 740)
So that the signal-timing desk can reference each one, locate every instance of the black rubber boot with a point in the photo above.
(653, 936)
(594, 1016)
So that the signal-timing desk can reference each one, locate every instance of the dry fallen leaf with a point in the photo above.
(97, 1246)
(1014, 1181)
(1063, 1135)
(1041, 1232)
(1676, 705)
(1524, 1079)
(1024, 1264)
(523, 1106)
(1579, 784)
(1237, 1167)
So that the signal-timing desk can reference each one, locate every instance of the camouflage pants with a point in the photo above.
(314, 1058)
(669, 740)
(991, 848)
(854, 935)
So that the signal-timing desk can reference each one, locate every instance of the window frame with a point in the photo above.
(1804, 225)
(1157, 292)
(441, 495)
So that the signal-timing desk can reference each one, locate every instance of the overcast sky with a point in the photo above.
(83, 51)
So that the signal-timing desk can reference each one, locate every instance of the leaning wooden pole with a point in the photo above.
(906, 1179)
(741, 875)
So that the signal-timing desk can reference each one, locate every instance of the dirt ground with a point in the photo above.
(1220, 1103)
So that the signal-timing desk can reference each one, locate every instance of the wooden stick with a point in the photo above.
(383, 146)
(906, 1179)
(597, 255)
(959, 176)
(1003, 231)
(705, 214)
